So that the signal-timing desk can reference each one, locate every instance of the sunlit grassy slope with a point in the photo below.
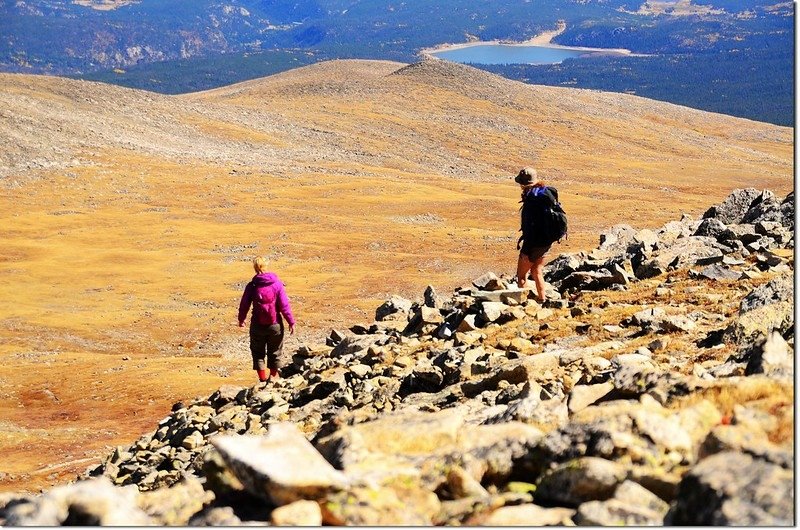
(128, 219)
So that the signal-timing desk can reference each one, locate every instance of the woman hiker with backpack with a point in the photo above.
(542, 223)
(266, 294)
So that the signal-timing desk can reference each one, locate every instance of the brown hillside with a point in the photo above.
(129, 218)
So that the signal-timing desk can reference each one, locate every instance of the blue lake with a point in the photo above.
(505, 54)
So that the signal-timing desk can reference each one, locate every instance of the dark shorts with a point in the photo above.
(533, 253)
(266, 346)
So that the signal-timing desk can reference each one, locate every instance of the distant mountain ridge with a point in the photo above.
(723, 58)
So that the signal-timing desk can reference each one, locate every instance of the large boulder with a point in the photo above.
(429, 442)
(734, 489)
(768, 308)
(766, 208)
(281, 466)
(733, 209)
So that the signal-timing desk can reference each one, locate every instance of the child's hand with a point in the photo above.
(291, 329)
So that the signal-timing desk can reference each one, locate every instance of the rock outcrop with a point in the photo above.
(641, 392)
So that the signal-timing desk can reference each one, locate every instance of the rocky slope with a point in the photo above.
(654, 386)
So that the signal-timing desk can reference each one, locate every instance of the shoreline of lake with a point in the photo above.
(542, 40)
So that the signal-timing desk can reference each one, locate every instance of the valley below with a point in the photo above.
(129, 219)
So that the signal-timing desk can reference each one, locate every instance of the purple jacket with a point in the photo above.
(266, 294)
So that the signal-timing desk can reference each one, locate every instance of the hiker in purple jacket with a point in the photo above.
(266, 294)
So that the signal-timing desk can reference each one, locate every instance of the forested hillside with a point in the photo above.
(732, 57)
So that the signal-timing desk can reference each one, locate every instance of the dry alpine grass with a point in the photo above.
(129, 219)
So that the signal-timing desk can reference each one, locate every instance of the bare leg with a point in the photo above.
(523, 267)
(538, 277)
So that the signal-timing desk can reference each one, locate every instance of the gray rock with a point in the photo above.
(531, 368)
(546, 414)
(176, 505)
(335, 337)
(489, 282)
(646, 239)
(430, 315)
(595, 280)
(684, 252)
(718, 272)
(426, 441)
(218, 516)
(710, 227)
(491, 311)
(674, 230)
(193, 441)
(353, 344)
(94, 502)
(779, 289)
(647, 316)
(281, 466)
(634, 360)
(767, 308)
(580, 480)
(772, 356)
(733, 209)
(562, 266)
(298, 513)
(395, 307)
(529, 515)
(361, 370)
(431, 298)
(734, 489)
(227, 394)
(402, 503)
(615, 513)
(634, 494)
(766, 208)
(617, 237)
(787, 212)
(424, 378)
(744, 233)
(745, 438)
(584, 395)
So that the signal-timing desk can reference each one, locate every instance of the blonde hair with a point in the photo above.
(260, 264)
(532, 184)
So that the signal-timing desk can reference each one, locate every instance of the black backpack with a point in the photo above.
(543, 219)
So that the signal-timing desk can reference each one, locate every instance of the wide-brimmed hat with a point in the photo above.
(527, 176)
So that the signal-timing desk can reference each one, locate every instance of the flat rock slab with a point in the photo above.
(281, 466)
(718, 272)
